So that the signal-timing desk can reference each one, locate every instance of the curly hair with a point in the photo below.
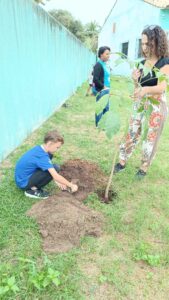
(157, 36)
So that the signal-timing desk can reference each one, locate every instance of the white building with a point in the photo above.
(122, 28)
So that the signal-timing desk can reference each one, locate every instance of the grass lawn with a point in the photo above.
(129, 261)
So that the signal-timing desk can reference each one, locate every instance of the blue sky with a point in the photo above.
(86, 10)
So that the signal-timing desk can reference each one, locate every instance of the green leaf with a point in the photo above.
(131, 64)
(139, 65)
(146, 122)
(101, 104)
(4, 290)
(121, 54)
(153, 101)
(149, 275)
(153, 260)
(53, 272)
(46, 282)
(149, 110)
(56, 281)
(110, 122)
(11, 281)
(161, 76)
(141, 109)
(36, 284)
(146, 70)
(26, 260)
(118, 61)
(102, 279)
(15, 288)
(114, 102)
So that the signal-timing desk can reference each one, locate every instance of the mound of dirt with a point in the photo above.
(63, 219)
(87, 175)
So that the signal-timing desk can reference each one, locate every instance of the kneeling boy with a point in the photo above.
(34, 169)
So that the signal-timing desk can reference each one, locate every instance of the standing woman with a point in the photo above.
(101, 79)
(155, 50)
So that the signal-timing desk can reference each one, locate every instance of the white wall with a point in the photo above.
(130, 16)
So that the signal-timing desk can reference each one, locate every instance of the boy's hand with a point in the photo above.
(74, 188)
(61, 186)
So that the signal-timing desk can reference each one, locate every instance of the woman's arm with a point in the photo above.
(97, 72)
(154, 90)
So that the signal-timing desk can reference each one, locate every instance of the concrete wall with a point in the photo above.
(41, 65)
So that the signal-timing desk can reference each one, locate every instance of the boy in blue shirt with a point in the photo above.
(34, 169)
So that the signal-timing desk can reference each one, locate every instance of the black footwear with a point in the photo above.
(118, 168)
(140, 174)
(38, 194)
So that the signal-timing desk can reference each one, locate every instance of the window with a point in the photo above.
(125, 47)
(138, 49)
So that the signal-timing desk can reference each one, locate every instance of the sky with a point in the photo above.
(84, 10)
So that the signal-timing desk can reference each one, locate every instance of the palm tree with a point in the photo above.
(92, 30)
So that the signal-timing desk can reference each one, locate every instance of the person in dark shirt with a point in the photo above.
(156, 53)
(34, 169)
(101, 80)
(101, 72)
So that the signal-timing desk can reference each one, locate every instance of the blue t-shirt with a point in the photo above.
(34, 159)
(106, 73)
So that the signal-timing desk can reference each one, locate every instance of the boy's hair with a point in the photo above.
(53, 136)
(102, 50)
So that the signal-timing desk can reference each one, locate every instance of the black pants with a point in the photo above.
(40, 178)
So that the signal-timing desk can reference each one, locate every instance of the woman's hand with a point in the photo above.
(135, 75)
(139, 93)
(106, 88)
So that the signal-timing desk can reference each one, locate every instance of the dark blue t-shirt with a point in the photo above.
(34, 159)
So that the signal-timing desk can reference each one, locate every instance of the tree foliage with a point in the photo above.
(88, 34)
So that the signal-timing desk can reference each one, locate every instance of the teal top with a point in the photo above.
(106, 73)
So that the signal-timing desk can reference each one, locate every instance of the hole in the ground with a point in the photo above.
(112, 195)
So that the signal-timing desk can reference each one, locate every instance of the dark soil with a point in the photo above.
(63, 218)
(111, 196)
(87, 175)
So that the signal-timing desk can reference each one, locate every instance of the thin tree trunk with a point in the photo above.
(112, 171)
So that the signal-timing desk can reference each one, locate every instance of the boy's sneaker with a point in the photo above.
(140, 174)
(118, 168)
(38, 194)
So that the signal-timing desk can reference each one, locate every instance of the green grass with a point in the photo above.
(130, 260)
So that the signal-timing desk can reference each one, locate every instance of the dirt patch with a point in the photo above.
(87, 175)
(63, 218)
(63, 221)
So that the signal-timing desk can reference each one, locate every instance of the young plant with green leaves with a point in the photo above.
(37, 278)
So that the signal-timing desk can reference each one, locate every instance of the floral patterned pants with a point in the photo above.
(155, 127)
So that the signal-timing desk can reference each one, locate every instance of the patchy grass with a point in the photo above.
(129, 261)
